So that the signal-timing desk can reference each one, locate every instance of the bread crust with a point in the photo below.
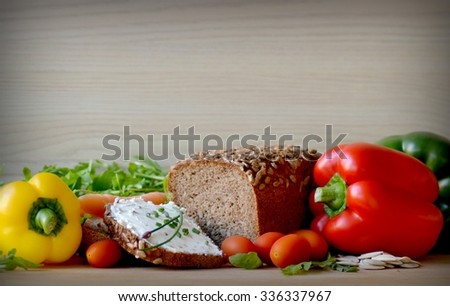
(277, 180)
(159, 256)
(93, 229)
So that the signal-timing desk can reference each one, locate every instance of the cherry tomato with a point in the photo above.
(264, 243)
(290, 250)
(319, 246)
(104, 253)
(237, 244)
(154, 197)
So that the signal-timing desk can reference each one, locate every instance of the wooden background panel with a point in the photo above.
(73, 72)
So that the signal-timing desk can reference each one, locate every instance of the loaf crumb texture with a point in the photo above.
(245, 191)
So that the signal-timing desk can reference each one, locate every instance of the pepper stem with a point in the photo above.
(46, 219)
(333, 195)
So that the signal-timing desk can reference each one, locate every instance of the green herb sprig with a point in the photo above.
(138, 177)
(10, 262)
(328, 264)
(178, 221)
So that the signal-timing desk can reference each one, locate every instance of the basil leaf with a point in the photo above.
(327, 264)
(246, 260)
(297, 269)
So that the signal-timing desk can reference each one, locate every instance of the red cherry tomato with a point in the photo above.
(264, 243)
(290, 250)
(103, 253)
(319, 246)
(237, 244)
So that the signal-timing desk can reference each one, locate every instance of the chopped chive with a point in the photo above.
(161, 209)
(148, 215)
(147, 234)
(156, 214)
(178, 235)
(196, 231)
(185, 231)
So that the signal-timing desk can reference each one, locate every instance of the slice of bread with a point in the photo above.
(161, 234)
(94, 229)
(246, 191)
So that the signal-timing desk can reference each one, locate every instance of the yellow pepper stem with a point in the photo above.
(46, 219)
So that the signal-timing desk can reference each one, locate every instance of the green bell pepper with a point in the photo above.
(434, 151)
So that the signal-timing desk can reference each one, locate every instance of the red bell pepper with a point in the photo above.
(376, 199)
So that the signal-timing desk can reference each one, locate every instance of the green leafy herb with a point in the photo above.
(329, 263)
(248, 260)
(27, 173)
(10, 262)
(140, 176)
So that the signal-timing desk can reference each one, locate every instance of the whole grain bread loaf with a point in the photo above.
(245, 191)
(138, 228)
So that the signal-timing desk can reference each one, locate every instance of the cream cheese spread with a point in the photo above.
(143, 217)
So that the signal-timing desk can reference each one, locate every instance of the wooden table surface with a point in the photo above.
(435, 270)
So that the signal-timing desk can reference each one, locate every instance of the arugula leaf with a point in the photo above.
(248, 260)
(329, 263)
(10, 262)
(297, 269)
(27, 173)
(138, 177)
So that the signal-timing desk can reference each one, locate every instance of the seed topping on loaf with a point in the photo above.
(261, 163)
(244, 191)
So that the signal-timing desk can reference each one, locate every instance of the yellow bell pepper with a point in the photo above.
(40, 219)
